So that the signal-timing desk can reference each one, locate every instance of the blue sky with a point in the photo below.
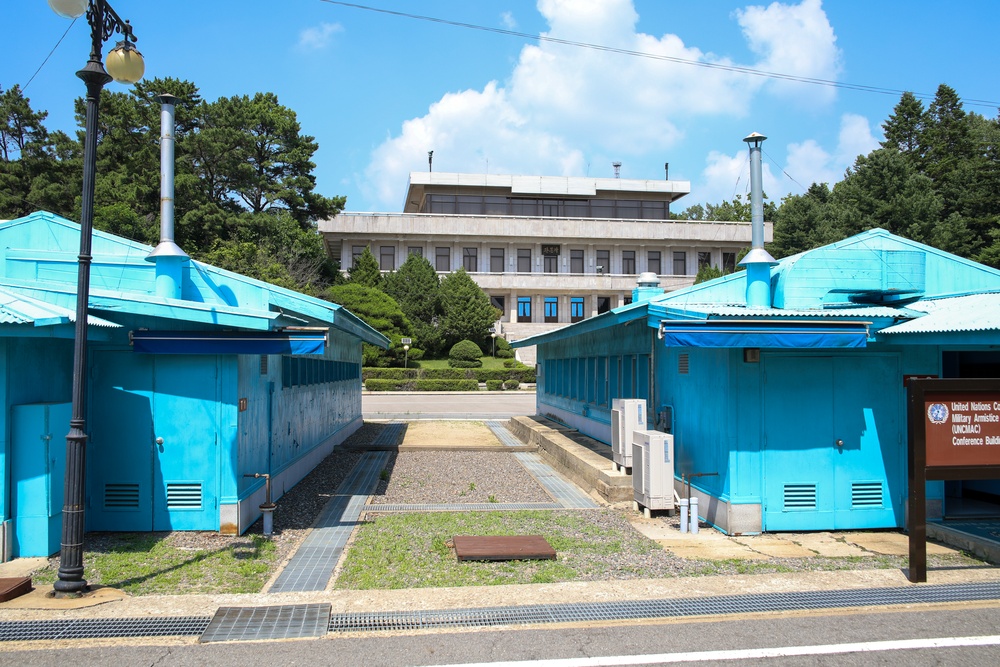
(378, 91)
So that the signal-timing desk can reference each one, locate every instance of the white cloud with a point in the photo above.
(564, 105)
(318, 37)
(797, 40)
(508, 21)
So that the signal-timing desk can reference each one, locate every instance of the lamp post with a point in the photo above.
(126, 66)
(493, 335)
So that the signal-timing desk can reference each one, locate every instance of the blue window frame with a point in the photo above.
(524, 309)
(576, 309)
(552, 309)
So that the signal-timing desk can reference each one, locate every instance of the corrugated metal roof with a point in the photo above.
(734, 311)
(974, 312)
(19, 309)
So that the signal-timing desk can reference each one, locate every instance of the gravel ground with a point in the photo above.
(437, 477)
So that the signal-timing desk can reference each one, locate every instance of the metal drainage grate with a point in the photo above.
(280, 622)
(644, 609)
(503, 434)
(97, 628)
(390, 436)
(459, 507)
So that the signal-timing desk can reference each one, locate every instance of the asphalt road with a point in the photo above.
(922, 635)
(447, 405)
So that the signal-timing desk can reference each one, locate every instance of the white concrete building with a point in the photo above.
(548, 250)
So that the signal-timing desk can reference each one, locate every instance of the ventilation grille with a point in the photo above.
(183, 495)
(682, 364)
(800, 496)
(263, 364)
(121, 496)
(866, 494)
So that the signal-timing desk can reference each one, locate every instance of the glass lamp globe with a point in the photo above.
(69, 9)
(124, 63)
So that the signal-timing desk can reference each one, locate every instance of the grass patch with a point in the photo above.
(411, 551)
(159, 564)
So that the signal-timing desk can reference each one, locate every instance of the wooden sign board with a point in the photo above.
(954, 434)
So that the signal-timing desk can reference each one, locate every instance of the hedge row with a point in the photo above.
(522, 375)
(421, 385)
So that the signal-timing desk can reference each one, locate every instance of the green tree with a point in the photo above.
(802, 222)
(38, 169)
(468, 313)
(365, 270)
(381, 312)
(904, 127)
(417, 288)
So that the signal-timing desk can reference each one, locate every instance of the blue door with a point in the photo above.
(153, 453)
(832, 451)
(38, 459)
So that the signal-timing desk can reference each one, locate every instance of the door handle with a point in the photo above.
(839, 442)
(159, 441)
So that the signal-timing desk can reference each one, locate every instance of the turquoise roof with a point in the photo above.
(38, 262)
(873, 276)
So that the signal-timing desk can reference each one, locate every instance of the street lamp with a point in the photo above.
(493, 335)
(406, 356)
(125, 66)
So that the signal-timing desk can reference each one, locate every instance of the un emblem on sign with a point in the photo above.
(937, 413)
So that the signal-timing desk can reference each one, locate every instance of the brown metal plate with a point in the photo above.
(12, 587)
(503, 547)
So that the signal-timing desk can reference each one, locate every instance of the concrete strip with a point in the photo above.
(716, 551)
(827, 545)
(776, 546)
(893, 544)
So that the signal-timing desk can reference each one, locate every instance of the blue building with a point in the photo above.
(188, 394)
(791, 414)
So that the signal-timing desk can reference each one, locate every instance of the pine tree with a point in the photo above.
(365, 270)
(903, 128)
(468, 313)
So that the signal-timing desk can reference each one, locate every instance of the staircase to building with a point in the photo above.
(518, 330)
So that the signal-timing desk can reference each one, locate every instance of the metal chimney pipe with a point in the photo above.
(758, 261)
(167, 256)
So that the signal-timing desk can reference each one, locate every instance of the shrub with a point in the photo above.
(445, 385)
(465, 350)
(494, 385)
(511, 384)
(505, 354)
(510, 363)
(458, 363)
(447, 374)
(389, 385)
(503, 349)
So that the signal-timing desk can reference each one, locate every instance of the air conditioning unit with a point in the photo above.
(652, 471)
(627, 415)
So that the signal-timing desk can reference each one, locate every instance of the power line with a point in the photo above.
(25, 86)
(655, 56)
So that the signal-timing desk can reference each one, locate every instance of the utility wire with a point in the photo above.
(655, 56)
(25, 86)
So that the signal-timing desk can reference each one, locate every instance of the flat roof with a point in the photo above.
(570, 186)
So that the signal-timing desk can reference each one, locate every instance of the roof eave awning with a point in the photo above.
(767, 334)
(229, 342)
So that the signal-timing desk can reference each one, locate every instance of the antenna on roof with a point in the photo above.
(430, 160)
(618, 169)
(666, 171)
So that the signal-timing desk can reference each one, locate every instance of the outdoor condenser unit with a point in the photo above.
(627, 415)
(652, 470)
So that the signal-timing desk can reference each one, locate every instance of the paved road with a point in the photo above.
(922, 635)
(447, 405)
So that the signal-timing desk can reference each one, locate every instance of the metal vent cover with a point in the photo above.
(866, 494)
(121, 495)
(800, 496)
(683, 363)
(184, 495)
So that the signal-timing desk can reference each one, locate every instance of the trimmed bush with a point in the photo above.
(389, 385)
(511, 384)
(465, 354)
(376, 373)
(511, 363)
(445, 385)
(448, 374)
(503, 349)
(494, 385)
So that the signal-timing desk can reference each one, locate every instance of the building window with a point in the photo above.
(576, 309)
(604, 261)
(496, 260)
(704, 259)
(551, 264)
(498, 303)
(653, 261)
(415, 250)
(576, 261)
(524, 309)
(627, 300)
(470, 259)
(728, 262)
(524, 260)
(356, 252)
(442, 259)
(680, 263)
(603, 304)
(628, 262)
(551, 309)
(387, 258)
